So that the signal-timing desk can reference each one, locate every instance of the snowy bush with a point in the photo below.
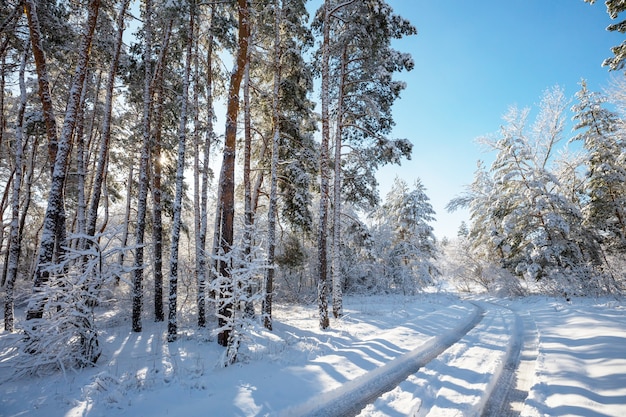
(236, 290)
(65, 337)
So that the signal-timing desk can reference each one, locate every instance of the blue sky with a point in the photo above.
(474, 59)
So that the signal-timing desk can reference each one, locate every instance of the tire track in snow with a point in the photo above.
(461, 379)
(354, 395)
(515, 380)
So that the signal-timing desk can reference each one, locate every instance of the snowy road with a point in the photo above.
(351, 397)
(461, 366)
(431, 355)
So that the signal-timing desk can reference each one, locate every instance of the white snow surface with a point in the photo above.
(431, 354)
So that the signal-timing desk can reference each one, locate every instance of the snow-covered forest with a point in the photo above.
(186, 170)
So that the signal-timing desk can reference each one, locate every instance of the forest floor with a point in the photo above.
(431, 354)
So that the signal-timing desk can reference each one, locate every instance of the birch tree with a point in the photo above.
(526, 222)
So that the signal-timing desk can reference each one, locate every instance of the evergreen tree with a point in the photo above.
(614, 8)
(54, 220)
(226, 204)
(143, 171)
(407, 213)
(598, 129)
(172, 325)
(358, 64)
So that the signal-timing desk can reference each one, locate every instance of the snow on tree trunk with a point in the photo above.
(336, 246)
(54, 227)
(157, 205)
(14, 241)
(129, 189)
(172, 324)
(202, 257)
(227, 174)
(143, 173)
(197, 216)
(322, 253)
(247, 156)
(81, 206)
(271, 214)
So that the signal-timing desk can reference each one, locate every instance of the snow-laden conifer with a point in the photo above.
(599, 130)
(411, 245)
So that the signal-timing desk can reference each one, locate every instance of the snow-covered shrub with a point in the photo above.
(65, 337)
(236, 290)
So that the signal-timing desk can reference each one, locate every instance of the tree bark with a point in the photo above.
(336, 245)
(54, 218)
(157, 204)
(143, 173)
(30, 7)
(227, 174)
(322, 252)
(172, 324)
(249, 210)
(208, 138)
(14, 245)
(272, 210)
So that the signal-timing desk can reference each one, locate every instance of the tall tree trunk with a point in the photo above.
(249, 211)
(208, 138)
(143, 173)
(180, 176)
(157, 204)
(271, 213)
(14, 246)
(227, 173)
(336, 246)
(2, 116)
(200, 273)
(54, 218)
(322, 253)
(99, 173)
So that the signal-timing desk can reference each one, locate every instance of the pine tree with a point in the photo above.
(413, 251)
(606, 172)
(226, 204)
(54, 220)
(143, 171)
(14, 242)
(361, 64)
(180, 176)
(614, 8)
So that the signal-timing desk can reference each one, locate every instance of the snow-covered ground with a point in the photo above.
(432, 354)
